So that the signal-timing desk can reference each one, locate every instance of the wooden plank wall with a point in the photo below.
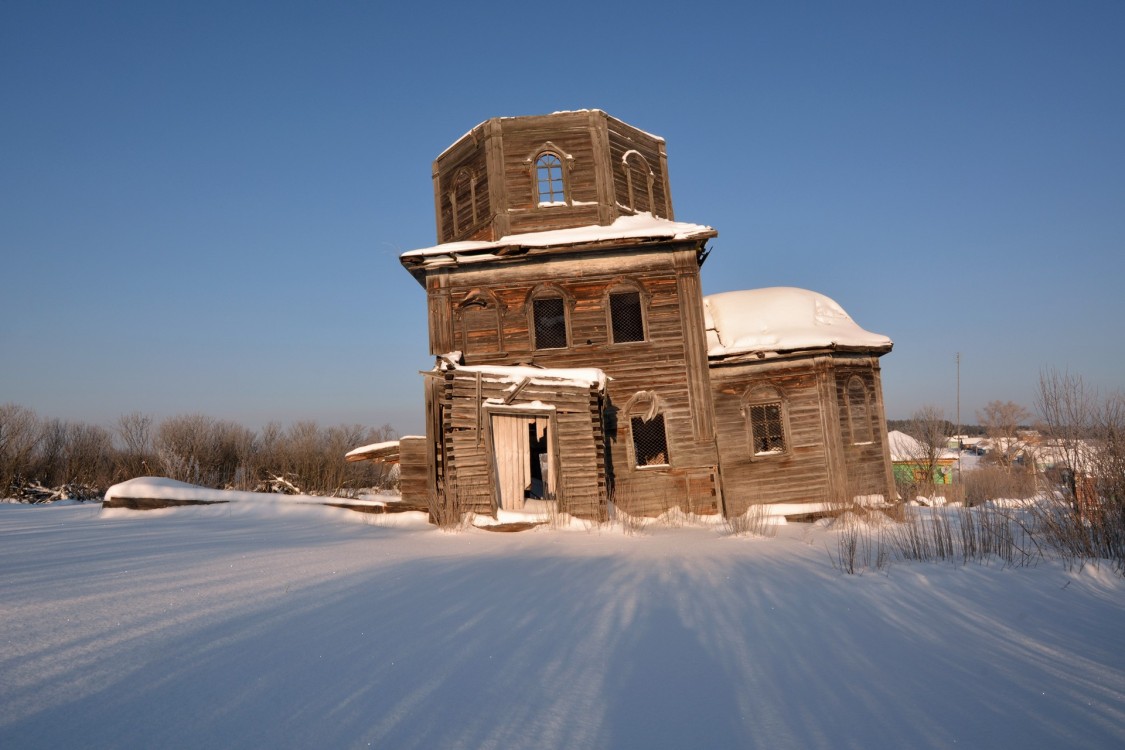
(577, 429)
(823, 463)
(624, 138)
(866, 462)
(801, 475)
(659, 364)
(414, 469)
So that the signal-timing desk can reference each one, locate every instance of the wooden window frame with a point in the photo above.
(485, 300)
(640, 165)
(868, 436)
(765, 395)
(646, 406)
(549, 291)
(626, 287)
(533, 161)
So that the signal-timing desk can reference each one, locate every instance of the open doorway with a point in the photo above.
(522, 453)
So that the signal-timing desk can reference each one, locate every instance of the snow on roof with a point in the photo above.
(781, 319)
(642, 226)
(373, 448)
(906, 448)
(583, 377)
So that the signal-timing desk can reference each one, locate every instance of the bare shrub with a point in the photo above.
(997, 482)
(756, 521)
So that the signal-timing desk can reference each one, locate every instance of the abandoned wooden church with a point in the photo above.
(579, 362)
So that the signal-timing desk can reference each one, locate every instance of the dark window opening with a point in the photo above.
(549, 176)
(550, 323)
(626, 317)
(650, 443)
(766, 431)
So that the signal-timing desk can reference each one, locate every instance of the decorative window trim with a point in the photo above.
(646, 407)
(640, 165)
(565, 162)
(619, 286)
(860, 430)
(480, 299)
(549, 291)
(766, 395)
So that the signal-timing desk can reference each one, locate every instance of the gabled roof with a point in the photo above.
(782, 319)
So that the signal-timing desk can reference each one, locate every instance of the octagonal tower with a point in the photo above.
(512, 175)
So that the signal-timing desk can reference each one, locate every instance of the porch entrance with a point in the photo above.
(523, 453)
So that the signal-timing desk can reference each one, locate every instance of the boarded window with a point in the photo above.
(767, 433)
(858, 412)
(626, 317)
(549, 178)
(650, 443)
(550, 322)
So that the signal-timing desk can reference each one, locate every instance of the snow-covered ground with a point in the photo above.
(207, 627)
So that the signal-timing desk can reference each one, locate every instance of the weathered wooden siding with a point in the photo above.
(624, 138)
(501, 197)
(579, 443)
(823, 463)
(414, 470)
(661, 363)
(799, 475)
(868, 461)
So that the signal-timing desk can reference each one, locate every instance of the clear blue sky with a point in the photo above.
(202, 204)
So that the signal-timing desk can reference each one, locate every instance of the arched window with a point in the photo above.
(638, 181)
(549, 309)
(549, 180)
(626, 303)
(463, 200)
(479, 315)
(550, 175)
(646, 425)
(859, 410)
(766, 421)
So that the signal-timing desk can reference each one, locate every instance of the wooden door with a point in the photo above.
(521, 451)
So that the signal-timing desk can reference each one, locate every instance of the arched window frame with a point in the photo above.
(857, 396)
(626, 286)
(548, 149)
(480, 299)
(463, 177)
(765, 404)
(639, 179)
(545, 292)
(645, 410)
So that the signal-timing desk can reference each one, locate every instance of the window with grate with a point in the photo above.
(767, 433)
(550, 322)
(626, 318)
(650, 443)
(549, 176)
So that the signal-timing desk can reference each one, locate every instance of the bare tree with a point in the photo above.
(134, 430)
(20, 435)
(1001, 421)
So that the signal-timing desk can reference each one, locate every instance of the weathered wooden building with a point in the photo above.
(577, 361)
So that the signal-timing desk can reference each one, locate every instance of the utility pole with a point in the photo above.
(960, 443)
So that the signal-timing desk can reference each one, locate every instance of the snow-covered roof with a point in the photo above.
(373, 448)
(642, 226)
(582, 377)
(906, 448)
(780, 319)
